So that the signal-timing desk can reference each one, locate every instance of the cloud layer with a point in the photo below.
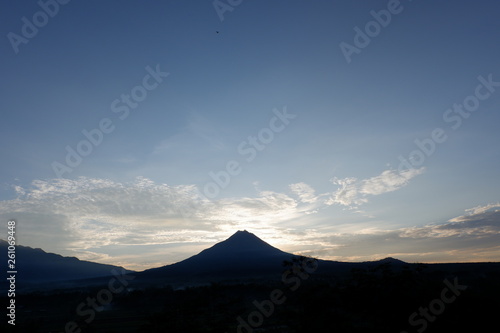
(121, 223)
(472, 237)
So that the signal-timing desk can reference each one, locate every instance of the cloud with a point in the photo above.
(120, 222)
(480, 211)
(388, 181)
(473, 237)
(88, 215)
(86, 212)
(267, 207)
(304, 192)
(93, 198)
(353, 192)
(347, 194)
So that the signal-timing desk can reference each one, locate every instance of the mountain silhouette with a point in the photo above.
(244, 255)
(241, 254)
(241, 244)
(38, 266)
(391, 260)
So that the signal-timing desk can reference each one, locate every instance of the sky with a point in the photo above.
(138, 133)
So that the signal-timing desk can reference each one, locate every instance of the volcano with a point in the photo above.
(241, 254)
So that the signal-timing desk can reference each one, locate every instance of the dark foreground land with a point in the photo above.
(382, 298)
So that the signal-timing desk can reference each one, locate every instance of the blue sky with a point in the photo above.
(304, 137)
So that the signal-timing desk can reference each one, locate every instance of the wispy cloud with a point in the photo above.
(388, 181)
(353, 192)
(304, 192)
(485, 212)
(88, 213)
(206, 130)
(198, 131)
(347, 194)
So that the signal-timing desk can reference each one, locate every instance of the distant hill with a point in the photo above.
(38, 266)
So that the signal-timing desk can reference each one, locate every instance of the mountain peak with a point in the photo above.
(242, 244)
(391, 260)
(242, 235)
(244, 241)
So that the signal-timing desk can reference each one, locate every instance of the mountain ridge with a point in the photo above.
(34, 265)
(241, 256)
